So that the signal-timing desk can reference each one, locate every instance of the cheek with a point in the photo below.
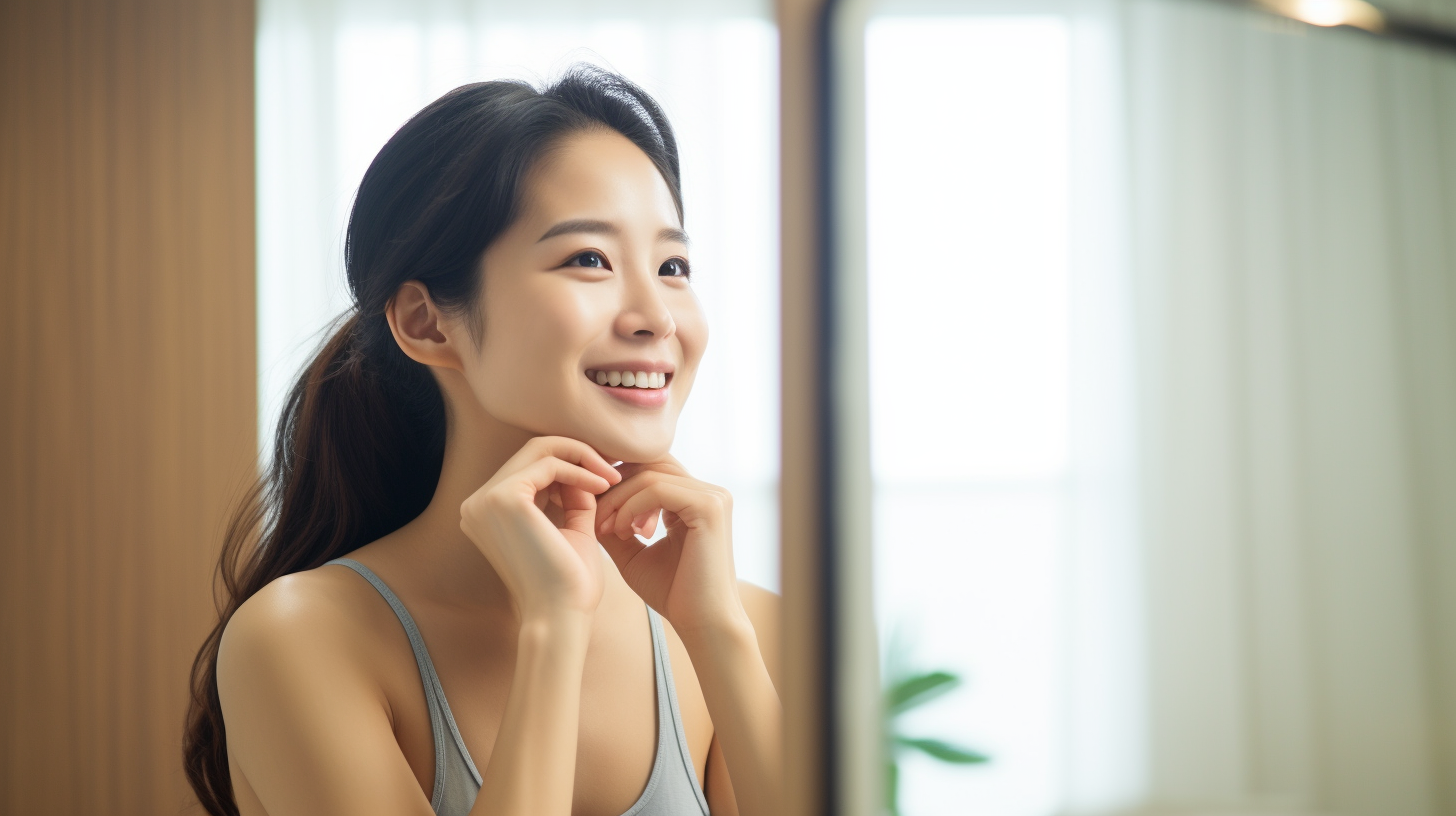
(692, 331)
(533, 336)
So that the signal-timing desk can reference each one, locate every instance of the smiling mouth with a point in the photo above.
(645, 380)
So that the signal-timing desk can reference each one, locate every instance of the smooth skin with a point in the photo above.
(539, 637)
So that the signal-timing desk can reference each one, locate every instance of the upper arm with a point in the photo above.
(763, 608)
(306, 724)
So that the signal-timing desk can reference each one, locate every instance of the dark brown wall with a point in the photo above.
(127, 396)
(801, 481)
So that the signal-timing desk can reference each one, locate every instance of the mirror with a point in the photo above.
(1157, 304)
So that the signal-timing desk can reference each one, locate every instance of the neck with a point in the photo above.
(432, 549)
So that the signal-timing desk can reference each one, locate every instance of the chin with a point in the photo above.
(617, 449)
(615, 441)
(633, 454)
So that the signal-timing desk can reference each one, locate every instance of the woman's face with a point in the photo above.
(587, 291)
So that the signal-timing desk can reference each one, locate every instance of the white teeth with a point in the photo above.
(629, 379)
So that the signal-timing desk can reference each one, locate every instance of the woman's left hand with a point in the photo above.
(688, 576)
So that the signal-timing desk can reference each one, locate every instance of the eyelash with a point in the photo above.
(578, 256)
(687, 270)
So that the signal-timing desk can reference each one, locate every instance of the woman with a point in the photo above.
(524, 320)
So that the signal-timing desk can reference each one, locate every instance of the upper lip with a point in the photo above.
(634, 365)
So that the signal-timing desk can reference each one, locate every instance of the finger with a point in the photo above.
(574, 498)
(661, 495)
(621, 550)
(546, 472)
(570, 450)
(608, 503)
(626, 524)
(578, 509)
(609, 507)
(666, 465)
(620, 494)
(639, 524)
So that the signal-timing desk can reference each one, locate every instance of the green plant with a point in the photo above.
(902, 694)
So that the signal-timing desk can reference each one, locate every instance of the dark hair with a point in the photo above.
(361, 439)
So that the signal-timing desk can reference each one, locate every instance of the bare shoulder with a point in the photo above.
(301, 676)
(305, 634)
(764, 608)
(310, 624)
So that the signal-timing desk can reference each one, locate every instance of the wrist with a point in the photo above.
(729, 633)
(555, 630)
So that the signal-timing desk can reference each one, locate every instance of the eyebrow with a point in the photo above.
(608, 228)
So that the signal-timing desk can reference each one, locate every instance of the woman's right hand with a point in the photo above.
(548, 569)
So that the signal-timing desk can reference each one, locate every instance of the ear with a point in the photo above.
(420, 328)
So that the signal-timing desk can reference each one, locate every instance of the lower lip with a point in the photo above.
(641, 397)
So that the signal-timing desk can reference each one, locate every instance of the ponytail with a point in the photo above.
(351, 462)
(361, 439)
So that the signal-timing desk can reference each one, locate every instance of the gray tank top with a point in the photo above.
(672, 788)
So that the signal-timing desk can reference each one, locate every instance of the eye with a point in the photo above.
(674, 268)
(590, 259)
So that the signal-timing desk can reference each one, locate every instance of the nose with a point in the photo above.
(644, 313)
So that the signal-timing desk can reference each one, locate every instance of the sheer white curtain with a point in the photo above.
(1196, 552)
(1001, 398)
(337, 77)
(1293, 200)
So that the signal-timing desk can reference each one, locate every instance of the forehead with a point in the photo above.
(600, 174)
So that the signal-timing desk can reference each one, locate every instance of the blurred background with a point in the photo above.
(1161, 337)
(1143, 389)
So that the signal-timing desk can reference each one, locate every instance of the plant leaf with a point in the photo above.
(943, 751)
(918, 690)
(892, 788)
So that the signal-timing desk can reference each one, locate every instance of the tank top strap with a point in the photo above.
(672, 786)
(441, 720)
(671, 738)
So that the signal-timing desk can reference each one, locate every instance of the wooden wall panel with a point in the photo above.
(127, 382)
(803, 487)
